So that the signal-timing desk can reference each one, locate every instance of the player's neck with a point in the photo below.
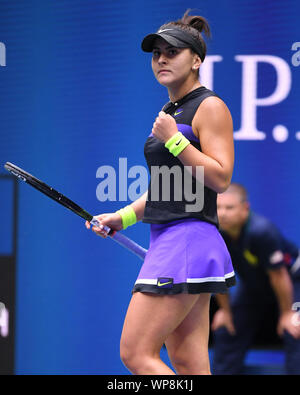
(177, 93)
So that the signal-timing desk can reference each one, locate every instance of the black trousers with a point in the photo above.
(250, 316)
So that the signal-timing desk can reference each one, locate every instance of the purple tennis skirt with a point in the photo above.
(185, 256)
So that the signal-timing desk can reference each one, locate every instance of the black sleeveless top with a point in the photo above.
(167, 198)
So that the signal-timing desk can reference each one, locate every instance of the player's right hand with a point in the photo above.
(112, 220)
(289, 321)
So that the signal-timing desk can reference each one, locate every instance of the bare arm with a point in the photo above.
(212, 124)
(114, 220)
(223, 316)
(283, 288)
(139, 206)
(223, 301)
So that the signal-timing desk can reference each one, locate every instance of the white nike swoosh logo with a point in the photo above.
(164, 30)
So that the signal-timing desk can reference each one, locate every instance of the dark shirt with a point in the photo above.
(163, 207)
(260, 248)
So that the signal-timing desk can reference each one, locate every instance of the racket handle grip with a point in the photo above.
(123, 240)
(95, 222)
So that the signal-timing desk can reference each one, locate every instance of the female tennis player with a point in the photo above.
(187, 259)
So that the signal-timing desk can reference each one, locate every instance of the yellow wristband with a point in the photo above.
(173, 139)
(128, 216)
(177, 143)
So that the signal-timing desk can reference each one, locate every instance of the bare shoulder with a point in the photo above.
(213, 104)
(212, 113)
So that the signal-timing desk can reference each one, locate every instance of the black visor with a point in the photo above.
(176, 37)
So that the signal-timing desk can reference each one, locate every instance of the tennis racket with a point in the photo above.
(69, 204)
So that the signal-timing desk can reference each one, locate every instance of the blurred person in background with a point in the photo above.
(268, 268)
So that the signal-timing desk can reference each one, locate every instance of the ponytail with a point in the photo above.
(197, 22)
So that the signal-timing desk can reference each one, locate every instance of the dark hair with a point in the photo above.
(194, 25)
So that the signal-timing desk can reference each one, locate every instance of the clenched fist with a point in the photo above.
(164, 127)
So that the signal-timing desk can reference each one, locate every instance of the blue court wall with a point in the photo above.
(77, 93)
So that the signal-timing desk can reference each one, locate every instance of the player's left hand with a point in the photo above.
(289, 321)
(164, 127)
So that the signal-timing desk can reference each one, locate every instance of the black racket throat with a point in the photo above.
(47, 190)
